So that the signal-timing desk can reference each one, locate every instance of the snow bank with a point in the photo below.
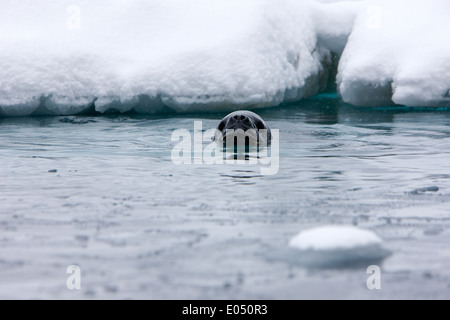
(70, 57)
(398, 52)
(337, 246)
(66, 57)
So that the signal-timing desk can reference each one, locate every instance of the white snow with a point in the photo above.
(197, 55)
(64, 57)
(334, 238)
(334, 22)
(335, 247)
(398, 52)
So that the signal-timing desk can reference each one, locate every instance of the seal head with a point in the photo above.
(245, 127)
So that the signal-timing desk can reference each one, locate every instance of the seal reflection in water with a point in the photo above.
(243, 129)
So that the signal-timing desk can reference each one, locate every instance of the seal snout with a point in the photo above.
(239, 117)
(239, 121)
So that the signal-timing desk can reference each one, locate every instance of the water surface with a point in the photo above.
(103, 193)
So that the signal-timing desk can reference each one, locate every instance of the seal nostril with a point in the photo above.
(239, 117)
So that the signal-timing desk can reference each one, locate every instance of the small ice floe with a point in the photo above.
(336, 247)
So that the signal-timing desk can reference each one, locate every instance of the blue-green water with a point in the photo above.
(104, 194)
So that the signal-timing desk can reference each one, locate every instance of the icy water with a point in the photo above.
(103, 193)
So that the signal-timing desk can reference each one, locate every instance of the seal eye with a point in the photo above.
(221, 125)
(259, 124)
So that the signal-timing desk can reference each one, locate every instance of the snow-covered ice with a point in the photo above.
(72, 57)
(334, 238)
(335, 246)
(398, 52)
(150, 54)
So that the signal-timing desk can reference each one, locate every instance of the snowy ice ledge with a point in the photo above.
(398, 53)
(207, 55)
(150, 55)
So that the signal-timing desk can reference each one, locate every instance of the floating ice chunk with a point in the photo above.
(333, 238)
(337, 246)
